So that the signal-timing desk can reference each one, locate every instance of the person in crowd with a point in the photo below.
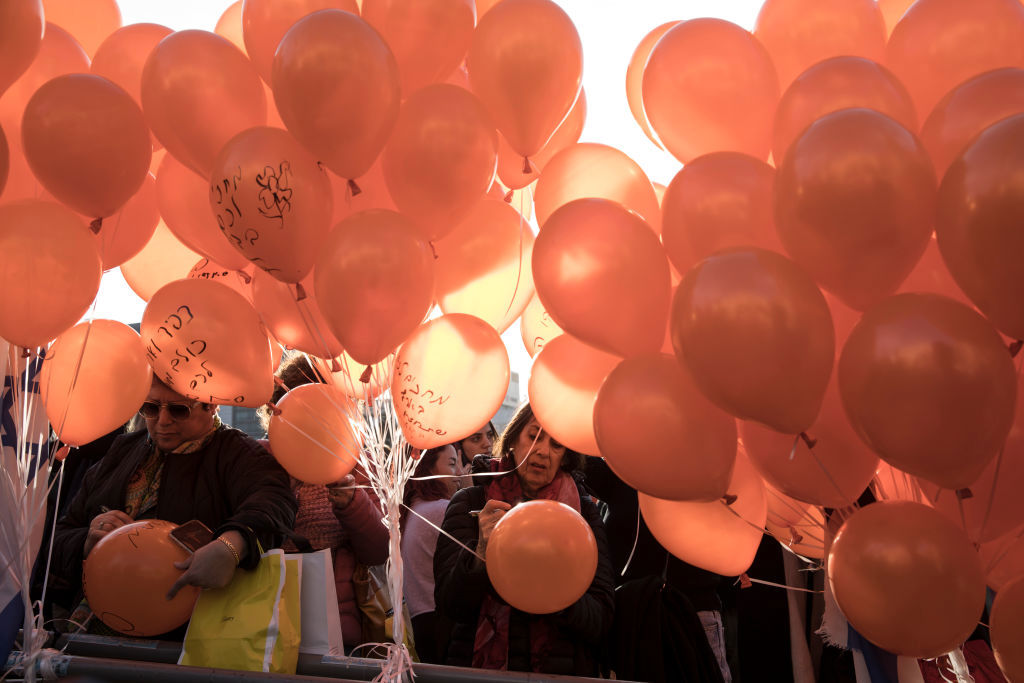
(425, 503)
(186, 465)
(487, 632)
(479, 442)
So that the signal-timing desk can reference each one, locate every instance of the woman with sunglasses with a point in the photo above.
(186, 465)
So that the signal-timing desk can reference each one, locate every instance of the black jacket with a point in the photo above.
(460, 584)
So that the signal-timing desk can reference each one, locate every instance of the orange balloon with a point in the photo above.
(229, 26)
(374, 281)
(797, 526)
(264, 23)
(602, 274)
(710, 86)
(855, 204)
(89, 21)
(892, 12)
(450, 377)
(346, 374)
(800, 33)
(941, 43)
(510, 164)
(968, 109)
(635, 79)
(51, 271)
(21, 32)
(757, 336)
(980, 207)
(541, 557)
(127, 575)
(273, 201)
(722, 199)
(163, 259)
(483, 266)
(205, 341)
(660, 435)
(315, 437)
(336, 87)
(199, 91)
(1003, 558)
(1007, 629)
(832, 467)
(589, 169)
(87, 142)
(296, 323)
(124, 234)
(525, 64)
(564, 381)
(430, 38)
(536, 327)
(5, 160)
(834, 84)
(719, 537)
(929, 386)
(239, 280)
(907, 579)
(94, 378)
(441, 157)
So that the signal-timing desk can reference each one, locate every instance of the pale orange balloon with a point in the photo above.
(536, 327)
(693, 113)
(589, 169)
(602, 274)
(184, 201)
(87, 142)
(450, 377)
(1003, 558)
(1007, 629)
(831, 467)
(205, 341)
(721, 537)
(296, 323)
(336, 87)
(525, 64)
(316, 436)
(483, 266)
(541, 557)
(347, 374)
(800, 33)
(374, 281)
(719, 200)
(239, 280)
(941, 43)
(907, 579)
(199, 91)
(229, 26)
(163, 259)
(264, 23)
(839, 83)
(564, 381)
(51, 271)
(441, 157)
(21, 32)
(124, 234)
(89, 21)
(757, 335)
(510, 165)
(93, 380)
(635, 79)
(927, 383)
(660, 435)
(892, 12)
(855, 204)
(429, 38)
(797, 526)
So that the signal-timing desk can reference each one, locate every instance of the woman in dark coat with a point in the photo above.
(488, 633)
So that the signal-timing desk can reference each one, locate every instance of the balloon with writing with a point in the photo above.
(536, 326)
(239, 280)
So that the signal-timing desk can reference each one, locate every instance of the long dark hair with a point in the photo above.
(572, 461)
(424, 490)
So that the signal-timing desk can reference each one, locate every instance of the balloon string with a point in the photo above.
(519, 270)
(636, 541)
(1005, 551)
(780, 585)
(454, 540)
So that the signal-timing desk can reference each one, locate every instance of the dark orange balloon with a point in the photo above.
(441, 157)
(834, 84)
(374, 281)
(800, 33)
(298, 324)
(541, 557)
(635, 79)
(51, 271)
(1003, 558)
(163, 259)
(968, 109)
(124, 234)
(89, 21)
(5, 160)
(855, 204)
(660, 435)
(981, 203)
(719, 200)
(1007, 628)
(315, 435)
(525, 64)
(21, 32)
(929, 386)
(602, 274)
(336, 87)
(590, 169)
(710, 86)
(87, 142)
(939, 44)
(510, 164)
(757, 335)
(199, 91)
(907, 579)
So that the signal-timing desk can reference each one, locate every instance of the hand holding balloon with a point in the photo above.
(101, 525)
(493, 511)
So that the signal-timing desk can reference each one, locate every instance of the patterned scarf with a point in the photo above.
(490, 647)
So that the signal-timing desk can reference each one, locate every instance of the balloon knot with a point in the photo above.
(300, 292)
(527, 169)
(433, 249)
(245, 276)
(1015, 347)
(335, 365)
(415, 453)
(794, 536)
(811, 443)
(272, 407)
(26, 352)
(964, 493)
(729, 498)
(280, 382)
(365, 377)
(508, 196)
(96, 225)
(745, 581)
(62, 452)
(353, 188)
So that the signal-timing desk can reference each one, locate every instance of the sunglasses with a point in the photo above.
(178, 411)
